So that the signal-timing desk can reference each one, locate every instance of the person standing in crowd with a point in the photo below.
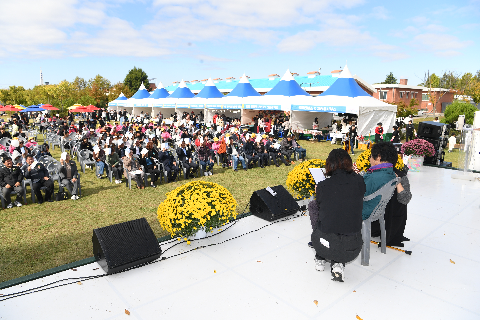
(69, 175)
(40, 178)
(410, 131)
(336, 215)
(352, 136)
(379, 133)
(222, 153)
(395, 135)
(11, 181)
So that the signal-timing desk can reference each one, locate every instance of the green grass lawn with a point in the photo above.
(37, 237)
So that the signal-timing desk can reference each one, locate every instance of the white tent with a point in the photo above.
(344, 96)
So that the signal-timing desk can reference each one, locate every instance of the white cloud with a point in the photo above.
(440, 44)
(435, 28)
(419, 20)
(380, 13)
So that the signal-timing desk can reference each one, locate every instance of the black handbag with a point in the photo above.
(61, 196)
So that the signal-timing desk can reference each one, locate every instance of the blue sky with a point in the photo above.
(196, 39)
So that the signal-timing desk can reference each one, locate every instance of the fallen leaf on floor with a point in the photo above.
(127, 312)
(452, 261)
(354, 291)
(359, 317)
(316, 302)
(95, 269)
(214, 271)
(74, 269)
(259, 261)
(80, 283)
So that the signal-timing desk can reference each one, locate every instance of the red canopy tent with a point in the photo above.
(81, 109)
(48, 107)
(9, 108)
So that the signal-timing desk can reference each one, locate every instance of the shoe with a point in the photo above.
(205, 174)
(320, 264)
(50, 200)
(18, 204)
(74, 197)
(245, 169)
(235, 170)
(338, 272)
(310, 244)
(210, 173)
(405, 239)
(10, 205)
(287, 164)
(262, 166)
(277, 165)
(191, 175)
(223, 165)
(153, 185)
(77, 197)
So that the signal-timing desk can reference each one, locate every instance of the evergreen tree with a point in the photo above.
(390, 79)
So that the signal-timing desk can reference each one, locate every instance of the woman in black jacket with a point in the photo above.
(337, 234)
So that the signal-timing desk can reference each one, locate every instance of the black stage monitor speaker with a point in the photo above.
(272, 207)
(125, 245)
(431, 129)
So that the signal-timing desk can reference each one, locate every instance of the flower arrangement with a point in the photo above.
(300, 182)
(196, 205)
(363, 162)
(419, 148)
(361, 138)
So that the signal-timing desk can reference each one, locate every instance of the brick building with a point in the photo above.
(394, 93)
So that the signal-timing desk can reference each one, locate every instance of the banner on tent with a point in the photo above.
(191, 106)
(262, 107)
(159, 105)
(140, 104)
(223, 106)
(336, 109)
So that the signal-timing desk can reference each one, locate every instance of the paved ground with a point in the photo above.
(270, 274)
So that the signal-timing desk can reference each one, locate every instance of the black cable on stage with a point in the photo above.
(86, 278)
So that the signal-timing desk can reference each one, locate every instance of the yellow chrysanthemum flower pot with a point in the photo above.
(300, 182)
(194, 206)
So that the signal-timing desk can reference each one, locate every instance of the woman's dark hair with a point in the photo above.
(386, 151)
(338, 159)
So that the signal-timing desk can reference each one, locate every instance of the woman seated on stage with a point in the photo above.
(336, 215)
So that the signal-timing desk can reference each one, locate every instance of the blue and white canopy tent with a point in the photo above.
(183, 99)
(138, 101)
(159, 102)
(121, 101)
(344, 96)
(231, 105)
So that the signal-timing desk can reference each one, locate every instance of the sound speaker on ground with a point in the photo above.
(125, 245)
(273, 205)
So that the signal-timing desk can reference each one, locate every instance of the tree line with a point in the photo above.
(97, 91)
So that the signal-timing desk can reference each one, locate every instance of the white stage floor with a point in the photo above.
(270, 274)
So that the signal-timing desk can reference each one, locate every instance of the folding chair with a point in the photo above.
(378, 213)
